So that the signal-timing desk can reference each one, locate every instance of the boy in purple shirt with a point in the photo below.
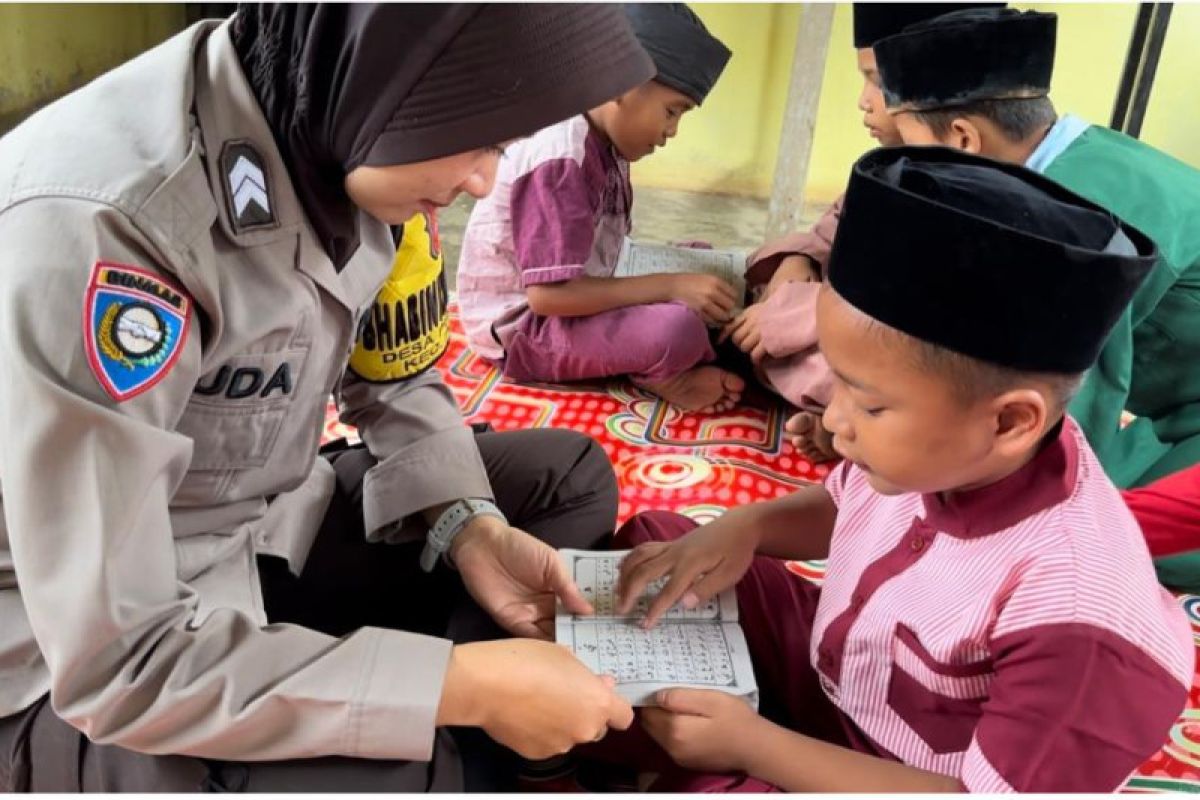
(535, 281)
(990, 619)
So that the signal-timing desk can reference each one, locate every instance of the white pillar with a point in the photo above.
(799, 119)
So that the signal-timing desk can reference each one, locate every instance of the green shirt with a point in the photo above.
(1148, 365)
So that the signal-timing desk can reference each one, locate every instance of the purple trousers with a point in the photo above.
(776, 609)
(649, 343)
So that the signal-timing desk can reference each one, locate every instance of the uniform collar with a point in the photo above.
(1047, 480)
(232, 121)
(232, 125)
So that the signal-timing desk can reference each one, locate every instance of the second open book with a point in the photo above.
(699, 648)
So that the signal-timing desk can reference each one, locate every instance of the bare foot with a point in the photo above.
(810, 437)
(701, 389)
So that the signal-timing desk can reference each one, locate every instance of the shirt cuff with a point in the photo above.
(395, 715)
(557, 274)
(442, 468)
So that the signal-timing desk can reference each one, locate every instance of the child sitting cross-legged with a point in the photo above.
(990, 618)
(536, 289)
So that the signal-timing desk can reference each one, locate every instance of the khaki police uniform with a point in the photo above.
(171, 330)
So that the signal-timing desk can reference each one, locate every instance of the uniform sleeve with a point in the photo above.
(404, 412)
(816, 243)
(554, 224)
(87, 486)
(1073, 705)
(426, 452)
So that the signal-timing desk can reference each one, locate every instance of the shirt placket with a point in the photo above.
(911, 548)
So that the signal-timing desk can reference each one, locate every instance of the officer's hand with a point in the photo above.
(533, 697)
(515, 577)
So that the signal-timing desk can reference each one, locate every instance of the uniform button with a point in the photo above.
(917, 543)
(856, 602)
(825, 659)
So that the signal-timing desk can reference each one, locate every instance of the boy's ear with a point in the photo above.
(965, 135)
(1020, 419)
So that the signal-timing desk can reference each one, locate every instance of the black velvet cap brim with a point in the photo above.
(875, 21)
(966, 57)
(987, 259)
(689, 59)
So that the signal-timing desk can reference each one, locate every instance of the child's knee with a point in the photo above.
(679, 323)
(680, 333)
(652, 526)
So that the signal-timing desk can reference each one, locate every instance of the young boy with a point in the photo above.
(990, 619)
(778, 331)
(954, 80)
(535, 280)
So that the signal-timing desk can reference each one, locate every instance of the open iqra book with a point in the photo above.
(637, 258)
(699, 648)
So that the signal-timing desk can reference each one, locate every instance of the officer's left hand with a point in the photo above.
(515, 577)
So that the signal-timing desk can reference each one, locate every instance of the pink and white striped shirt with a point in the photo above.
(561, 209)
(1014, 638)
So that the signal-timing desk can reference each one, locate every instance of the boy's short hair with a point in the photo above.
(1017, 119)
(972, 379)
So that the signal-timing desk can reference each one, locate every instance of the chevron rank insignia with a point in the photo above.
(246, 187)
(134, 326)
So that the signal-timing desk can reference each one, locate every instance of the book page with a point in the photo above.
(596, 572)
(709, 655)
(701, 648)
(655, 259)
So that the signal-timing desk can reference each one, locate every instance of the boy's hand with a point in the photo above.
(709, 296)
(702, 564)
(703, 730)
(746, 332)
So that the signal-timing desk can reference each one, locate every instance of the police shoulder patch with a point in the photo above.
(134, 325)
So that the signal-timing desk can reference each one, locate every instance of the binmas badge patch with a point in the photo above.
(134, 324)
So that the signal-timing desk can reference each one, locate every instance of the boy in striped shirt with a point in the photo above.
(990, 620)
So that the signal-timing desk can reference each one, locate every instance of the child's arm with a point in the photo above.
(709, 296)
(715, 556)
(813, 245)
(798, 763)
(716, 732)
(798, 526)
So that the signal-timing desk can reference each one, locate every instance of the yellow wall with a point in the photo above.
(729, 144)
(48, 49)
(1173, 115)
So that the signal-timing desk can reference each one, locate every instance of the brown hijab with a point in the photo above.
(344, 85)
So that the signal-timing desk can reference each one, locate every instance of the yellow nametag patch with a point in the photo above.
(406, 329)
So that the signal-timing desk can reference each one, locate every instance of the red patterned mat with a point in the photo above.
(702, 464)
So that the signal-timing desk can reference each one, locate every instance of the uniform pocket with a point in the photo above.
(232, 437)
(237, 411)
(940, 702)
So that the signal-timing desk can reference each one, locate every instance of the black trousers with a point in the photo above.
(556, 484)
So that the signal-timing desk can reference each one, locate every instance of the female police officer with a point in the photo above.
(188, 246)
